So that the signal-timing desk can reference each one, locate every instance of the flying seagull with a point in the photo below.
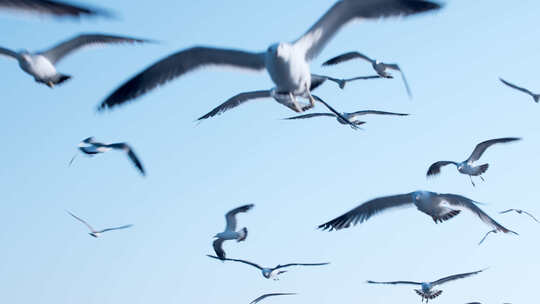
(52, 8)
(467, 166)
(427, 292)
(440, 206)
(341, 82)
(379, 67)
(353, 117)
(519, 211)
(286, 63)
(271, 295)
(230, 232)
(41, 65)
(91, 147)
(97, 233)
(536, 97)
(270, 273)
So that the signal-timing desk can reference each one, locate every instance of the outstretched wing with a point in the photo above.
(300, 264)
(368, 209)
(520, 211)
(395, 282)
(49, 7)
(346, 57)
(435, 168)
(236, 260)
(369, 112)
(218, 248)
(230, 217)
(235, 101)
(394, 66)
(310, 115)
(270, 295)
(129, 151)
(455, 277)
(115, 228)
(82, 221)
(63, 49)
(343, 118)
(486, 235)
(481, 147)
(516, 87)
(8, 53)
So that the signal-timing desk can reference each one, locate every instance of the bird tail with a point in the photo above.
(483, 168)
(243, 234)
(60, 78)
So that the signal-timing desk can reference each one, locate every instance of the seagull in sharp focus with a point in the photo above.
(271, 295)
(51, 8)
(97, 233)
(41, 65)
(353, 117)
(427, 292)
(270, 273)
(468, 166)
(440, 206)
(286, 63)
(536, 97)
(379, 67)
(519, 211)
(91, 147)
(230, 232)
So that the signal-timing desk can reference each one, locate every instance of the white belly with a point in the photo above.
(290, 72)
(40, 67)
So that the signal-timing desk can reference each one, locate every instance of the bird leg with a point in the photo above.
(297, 107)
(470, 176)
(482, 178)
(50, 84)
(311, 99)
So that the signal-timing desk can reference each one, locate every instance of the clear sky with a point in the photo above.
(298, 174)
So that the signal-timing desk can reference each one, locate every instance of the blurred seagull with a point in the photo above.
(467, 166)
(52, 8)
(519, 211)
(427, 292)
(536, 97)
(41, 65)
(91, 147)
(269, 273)
(379, 67)
(230, 232)
(440, 206)
(286, 63)
(270, 295)
(353, 117)
(97, 233)
(342, 82)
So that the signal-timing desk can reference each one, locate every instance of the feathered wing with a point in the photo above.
(396, 67)
(395, 282)
(300, 264)
(311, 115)
(486, 235)
(179, 64)
(375, 112)
(271, 295)
(64, 48)
(115, 228)
(343, 118)
(346, 57)
(516, 87)
(49, 7)
(230, 217)
(368, 209)
(8, 52)
(455, 277)
(236, 260)
(435, 168)
(82, 221)
(235, 101)
(481, 147)
(344, 11)
(218, 248)
(132, 156)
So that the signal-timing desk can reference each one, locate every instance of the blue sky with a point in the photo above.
(298, 174)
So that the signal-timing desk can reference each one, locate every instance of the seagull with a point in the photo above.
(379, 67)
(230, 232)
(427, 292)
(270, 295)
(41, 65)
(536, 97)
(467, 166)
(269, 273)
(342, 82)
(440, 206)
(353, 117)
(91, 147)
(53, 8)
(97, 233)
(519, 211)
(286, 63)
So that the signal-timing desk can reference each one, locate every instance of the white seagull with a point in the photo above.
(286, 63)
(427, 292)
(271, 295)
(353, 117)
(270, 273)
(379, 67)
(52, 8)
(440, 206)
(536, 97)
(91, 147)
(519, 211)
(230, 232)
(41, 65)
(97, 233)
(468, 166)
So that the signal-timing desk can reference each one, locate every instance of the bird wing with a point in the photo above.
(461, 201)
(299, 264)
(520, 211)
(516, 87)
(177, 65)
(395, 282)
(64, 48)
(435, 168)
(343, 118)
(368, 209)
(51, 8)
(8, 52)
(310, 115)
(344, 11)
(394, 66)
(481, 147)
(362, 78)
(218, 248)
(486, 235)
(230, 217)
(132, 156)
(114, 228)
(346, 57)
(455, 277)
(236, 260)
(82, 221)
(367, 112)
(236, 101)
(271, 295)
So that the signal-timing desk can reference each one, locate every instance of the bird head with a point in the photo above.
(426, 287)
